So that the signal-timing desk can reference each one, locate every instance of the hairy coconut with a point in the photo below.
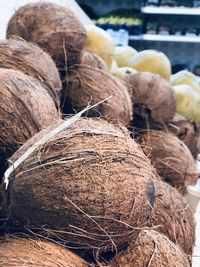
(17, 54)
(55, 28)
(151, 249)
(187, 131)
(170, 157)
(26, 107)
(172, 214)
(153, 99)
(93, 60)
(88, 85)
(88, 186)
(23, 252)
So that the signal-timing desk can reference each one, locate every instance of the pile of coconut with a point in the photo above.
(93, 167)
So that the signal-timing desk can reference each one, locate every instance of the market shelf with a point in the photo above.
(165, 38)
(171, 10)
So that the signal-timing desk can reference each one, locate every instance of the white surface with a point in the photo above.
(171, 10)
(165, 38)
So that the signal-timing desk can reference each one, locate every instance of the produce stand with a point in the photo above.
(102, 179)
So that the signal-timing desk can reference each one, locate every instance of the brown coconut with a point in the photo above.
(88, 85)
(153, 99)
(17, 54)
(187, 131)
(21, 252)
(26, 107)
(151, 249)
(173, 216)
(89, 186)
(93, 60)
(55, 28)
(170, 157)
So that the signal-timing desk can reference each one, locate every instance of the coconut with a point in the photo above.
(17, 54)
(22, 252)
(89, 186)
(26, 107)
(173, 217)
(153, 99)
(91, 59)
(170, 157)
(55, 28)
(88, 85)
(151, 249)
(187, 131)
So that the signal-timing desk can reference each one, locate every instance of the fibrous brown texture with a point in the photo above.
(17, 54)
(170, 157)
(93, 60)
(151, 249)
(89, 85)
(26, 107)
(55, 28)
(21, 252)
(89, 186)
(187, 131)
(153, 99)
(172, 214)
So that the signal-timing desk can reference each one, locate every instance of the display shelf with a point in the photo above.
(135, 37)
(170, 38)
(171, 10)
(165, 38)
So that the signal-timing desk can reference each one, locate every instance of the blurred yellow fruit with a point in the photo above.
(123, 72)
(185, 77)
(152, 61)
(123, 54)
(114, 65)
(187, 102)
(100, 42)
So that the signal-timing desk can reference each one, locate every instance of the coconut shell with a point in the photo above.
(17, 54)
(151, 249)
(173, 216)
(55, 28)
(22, 110)
(21, 252)
(153, 99)
(93, 60)
(170, 157)
(187, 131)
(89, 186)
(88, 85)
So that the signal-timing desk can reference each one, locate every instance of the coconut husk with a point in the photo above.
(151, 249)
(22, 110)
(89, 186)
(153, 99)
(89, 85)
(170, 157)
(55, 28)
(17, 54)
(173, 216)
(187, 131)
(93, 60)
(22, 252)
